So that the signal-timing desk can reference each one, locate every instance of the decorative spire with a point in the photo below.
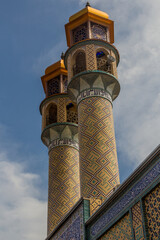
(88, 4)
(62, 55)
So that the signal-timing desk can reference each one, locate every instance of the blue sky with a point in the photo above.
(32, 38)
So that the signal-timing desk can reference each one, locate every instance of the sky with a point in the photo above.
(32, 38)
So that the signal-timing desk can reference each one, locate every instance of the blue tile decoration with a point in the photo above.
(73, 232)
(72, 228)
(108, 216)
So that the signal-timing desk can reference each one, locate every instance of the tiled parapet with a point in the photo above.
(72, 225)
(138, 195)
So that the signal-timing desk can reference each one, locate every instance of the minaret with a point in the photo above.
(92, 61)
(60, 135)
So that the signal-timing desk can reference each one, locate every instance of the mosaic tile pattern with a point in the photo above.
(95, 203)
(61, 113)
(91, 57)
(121, 230)
(137, 222)
(152, 212)
(73, 228)
(98, 158)
(124, 201)
(64, 185)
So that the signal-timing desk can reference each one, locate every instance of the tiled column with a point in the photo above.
(63, 190)
(99, 171)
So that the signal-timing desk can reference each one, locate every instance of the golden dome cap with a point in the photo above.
(53, 71)
(88, 10)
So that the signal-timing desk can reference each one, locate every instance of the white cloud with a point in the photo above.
(48, 57)
(137, 109)
(23, 213)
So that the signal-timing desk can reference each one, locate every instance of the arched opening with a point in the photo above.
(72, 115)
(80, 63)
(51, 116)
(102, 62)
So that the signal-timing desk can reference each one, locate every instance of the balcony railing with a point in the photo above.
(102, 64)
(78, 69)
(72, 117)
(50, 120)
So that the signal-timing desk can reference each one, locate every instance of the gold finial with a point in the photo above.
(88, 4)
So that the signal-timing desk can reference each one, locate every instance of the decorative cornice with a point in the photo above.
(63, 142)
(56, 131)
(94, 93)
(90, 80)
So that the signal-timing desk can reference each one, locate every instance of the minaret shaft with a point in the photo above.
(60, 135)
(63, 187)
(99, 172)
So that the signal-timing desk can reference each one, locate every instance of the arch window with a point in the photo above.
(80, 63)
(72, 115)
(51, 116)
(102, 62)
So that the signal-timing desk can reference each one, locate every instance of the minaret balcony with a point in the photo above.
(91, 55)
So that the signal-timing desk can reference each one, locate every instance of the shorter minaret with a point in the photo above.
(60, 135)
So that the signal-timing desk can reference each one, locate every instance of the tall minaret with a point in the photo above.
(60, 135)
(91, 61)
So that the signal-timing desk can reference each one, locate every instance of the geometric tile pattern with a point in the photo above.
(95, 203)
(137, 222)
(64, 185)
(121, 230)
(90, 57)
(72, 228)
(99, 172)
(152, 213)
(61, 114)
(125, 200)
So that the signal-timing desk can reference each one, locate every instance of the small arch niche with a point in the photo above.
(72, 115)
(103, 63)
(51, 116)
(80, 63)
